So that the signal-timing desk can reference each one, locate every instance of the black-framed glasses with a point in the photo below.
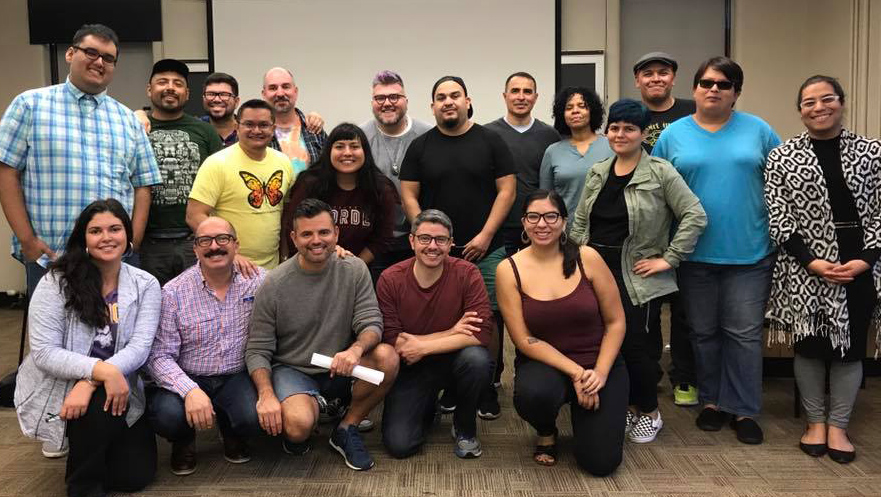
(549, 217)
(221, 239)
(262, 126)
(392, 98)
(441, 241)
(93, 54)
(223, 95)
(810, 103)
(723, 85)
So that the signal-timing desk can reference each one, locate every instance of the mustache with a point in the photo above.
(212, 253)
(281, 99)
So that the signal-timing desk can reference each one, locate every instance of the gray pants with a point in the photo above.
(844, 381)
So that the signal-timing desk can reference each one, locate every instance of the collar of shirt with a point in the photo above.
(79, 94)
(236, 277)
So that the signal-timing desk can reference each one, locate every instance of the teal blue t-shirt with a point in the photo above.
(725, 170)
(564, 169)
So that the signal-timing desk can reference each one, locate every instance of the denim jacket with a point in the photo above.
(655, 196)
(60, 344)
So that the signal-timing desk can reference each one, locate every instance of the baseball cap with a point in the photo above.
(171, 65)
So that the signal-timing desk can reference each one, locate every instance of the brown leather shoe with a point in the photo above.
(235, 449)
(183, 458)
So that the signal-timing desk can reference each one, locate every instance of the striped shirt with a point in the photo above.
(72, 148)
(199, 334)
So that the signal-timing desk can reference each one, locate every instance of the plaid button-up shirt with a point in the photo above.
(72, 148)
(199, 334)
(313, 141)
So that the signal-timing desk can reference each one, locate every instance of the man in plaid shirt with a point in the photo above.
(198, 356)
(64, 146)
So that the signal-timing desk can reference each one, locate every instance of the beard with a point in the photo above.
(392, 120)
(159, 103)
(450, 122)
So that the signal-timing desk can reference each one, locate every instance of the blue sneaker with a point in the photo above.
(349, 443)
(466, 448)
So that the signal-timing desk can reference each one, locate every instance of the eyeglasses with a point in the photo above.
(549, 217)
(93, 54)
(223, 95)
(262, 126)
(810, 103)
(708, 83)
(441, 241)
(392, 98)
(221, 239)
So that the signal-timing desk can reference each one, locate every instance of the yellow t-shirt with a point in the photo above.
(249, 194)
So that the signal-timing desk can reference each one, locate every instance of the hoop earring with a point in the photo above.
(87, 251)
(564, 238)
(129, 250)
(524, 237)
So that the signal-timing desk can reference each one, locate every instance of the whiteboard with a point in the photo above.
(335, 47)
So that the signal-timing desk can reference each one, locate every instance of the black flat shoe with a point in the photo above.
(711, 419)
(813, 450)
(748, 431)
(841, 456)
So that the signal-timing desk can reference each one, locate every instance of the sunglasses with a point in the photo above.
(708, 83)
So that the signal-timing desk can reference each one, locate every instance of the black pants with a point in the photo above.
(539, 393)
(410, 404)
(636, 349)
(681, 352)
(106, 454)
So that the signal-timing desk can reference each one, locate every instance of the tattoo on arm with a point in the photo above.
(532, 340)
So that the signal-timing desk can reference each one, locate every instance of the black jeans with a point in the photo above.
(636, 349)
(681, 352)
(541, 390)
(410, 404)
(106, 454)
(233, 397)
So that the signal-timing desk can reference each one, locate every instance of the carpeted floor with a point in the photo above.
(682, 461)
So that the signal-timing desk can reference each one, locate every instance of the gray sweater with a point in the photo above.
(298, 313)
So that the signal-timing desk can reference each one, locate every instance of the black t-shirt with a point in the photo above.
(660, 120)
(457, 175)
(609, 223)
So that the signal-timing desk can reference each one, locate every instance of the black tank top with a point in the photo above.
(572, 324)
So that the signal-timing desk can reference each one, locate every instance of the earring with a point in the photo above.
(564, 238)
(87, 251)
(524, 237)
(128, 252)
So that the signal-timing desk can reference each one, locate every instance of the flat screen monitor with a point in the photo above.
(55, 21)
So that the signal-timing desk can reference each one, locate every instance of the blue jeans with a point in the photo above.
(233, 397)
(725, 306)
(410, 404)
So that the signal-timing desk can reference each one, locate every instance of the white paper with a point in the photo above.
(367, 374)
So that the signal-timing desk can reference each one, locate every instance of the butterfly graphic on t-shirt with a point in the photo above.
(271, 189)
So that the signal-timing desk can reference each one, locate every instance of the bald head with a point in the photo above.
(215, 223)
(280, 91)
(215, 246)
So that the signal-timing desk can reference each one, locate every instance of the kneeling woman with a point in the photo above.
(626, 209)
(563, 311)
(91, 323)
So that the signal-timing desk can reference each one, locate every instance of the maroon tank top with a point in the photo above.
(572, 324)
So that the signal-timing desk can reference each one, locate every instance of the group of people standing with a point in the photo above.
(409, 249)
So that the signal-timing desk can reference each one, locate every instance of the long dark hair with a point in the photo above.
(569, 248)
(80, 278)
(320, 178)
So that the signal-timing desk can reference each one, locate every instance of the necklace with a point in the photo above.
(396, 155)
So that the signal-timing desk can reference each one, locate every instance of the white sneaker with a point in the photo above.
(646, 429)
(52, 451)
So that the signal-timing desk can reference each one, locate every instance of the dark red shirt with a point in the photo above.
(408, 308)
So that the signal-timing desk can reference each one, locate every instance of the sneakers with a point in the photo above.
(465, 448)
(52, 451)
(235, 449)
(646, 428)
(296, 448)
(349, 443)
(183, 458)
(711, 419)
(748, 431)
(330, 411)
(489, 407)
(366, 425)
(629, 421)
(447, 402)
(685, 395)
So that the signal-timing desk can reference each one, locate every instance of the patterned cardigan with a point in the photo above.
(802, 304)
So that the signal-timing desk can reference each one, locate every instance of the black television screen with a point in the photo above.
(56, 21)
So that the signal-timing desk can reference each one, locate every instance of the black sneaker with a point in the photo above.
(235, 449)
(447, 402)
(350, 445)
(330, 411)
(489, 407)
(296, 448)
(711, 419)
(748, 431)
(183, 458)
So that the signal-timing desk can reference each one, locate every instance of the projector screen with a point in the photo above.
(335, 47)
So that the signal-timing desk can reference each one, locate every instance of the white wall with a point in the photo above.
(334, 48)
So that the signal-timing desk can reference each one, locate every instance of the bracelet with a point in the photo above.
(94, 383)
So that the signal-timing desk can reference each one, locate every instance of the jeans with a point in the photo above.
(166, 258)
(725, 305)
(541, 390)
(106, 454)
(410, 404)
(233, 397)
